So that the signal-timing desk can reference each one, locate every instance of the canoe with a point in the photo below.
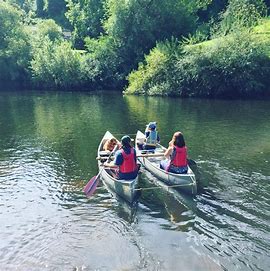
(182, 182)
(126, 189)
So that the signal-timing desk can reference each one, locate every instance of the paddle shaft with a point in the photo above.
(91, 185)
(113, 151)
(140, 155)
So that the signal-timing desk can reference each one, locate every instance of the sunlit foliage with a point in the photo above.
(14, 46)
(235, 66)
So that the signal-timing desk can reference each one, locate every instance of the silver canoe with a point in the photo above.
(182, 182)
(126, 189)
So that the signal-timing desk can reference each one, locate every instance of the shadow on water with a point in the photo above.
(163, 202)
(157, 200)
(124, 209)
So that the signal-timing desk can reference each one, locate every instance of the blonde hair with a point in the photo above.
(110, 144)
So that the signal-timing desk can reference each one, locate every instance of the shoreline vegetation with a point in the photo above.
(169, 48)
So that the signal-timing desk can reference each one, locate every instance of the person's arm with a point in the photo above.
(110, 165)
(118, 160)
(168, 152)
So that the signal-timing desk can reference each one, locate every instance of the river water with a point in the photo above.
(48, 144)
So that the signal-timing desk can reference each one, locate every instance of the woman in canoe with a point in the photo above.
(125, 160)
(176, 155)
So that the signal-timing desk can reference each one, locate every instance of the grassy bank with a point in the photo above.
(236, 65)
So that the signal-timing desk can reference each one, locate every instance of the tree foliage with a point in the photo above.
(55, 9)
(132, 28)
(26, 5)
(40, 8)
(138, 25)
(168, 45)
(235, 66)
(14, 45)
(56, 65)
(86, 17)
(240, 14)
(45, 28)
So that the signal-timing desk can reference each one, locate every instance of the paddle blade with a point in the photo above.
(91, 186)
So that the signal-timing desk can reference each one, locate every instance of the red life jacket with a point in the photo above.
(180, 157)
(129, 164)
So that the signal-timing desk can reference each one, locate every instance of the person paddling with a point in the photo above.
(176, 155)
(125, 160)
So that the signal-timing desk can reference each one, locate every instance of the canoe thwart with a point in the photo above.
(140, 155)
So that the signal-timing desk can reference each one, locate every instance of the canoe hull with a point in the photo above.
(182, 182)
(126, 189)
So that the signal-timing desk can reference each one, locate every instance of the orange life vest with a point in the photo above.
(129, 164)
(179, 158)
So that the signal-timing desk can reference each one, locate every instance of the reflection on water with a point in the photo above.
(48, 146)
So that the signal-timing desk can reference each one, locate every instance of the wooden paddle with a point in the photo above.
(92, 184)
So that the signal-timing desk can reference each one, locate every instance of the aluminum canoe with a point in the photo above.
(126, 189)
(182, 182)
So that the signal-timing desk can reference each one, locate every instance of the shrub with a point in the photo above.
(240, 14)
(14, 46)
(57, 65)
(234, 66)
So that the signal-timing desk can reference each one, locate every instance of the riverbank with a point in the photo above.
(232, 66)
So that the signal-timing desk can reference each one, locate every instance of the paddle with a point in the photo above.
(92, 184)
(139, 155)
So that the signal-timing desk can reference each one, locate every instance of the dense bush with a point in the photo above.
(240, 14)
(14, 47)
(57, 66)
(86, 18)
(235, 66)
(152, 76)
(131, 30)
(45, 28)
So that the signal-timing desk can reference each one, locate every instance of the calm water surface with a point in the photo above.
(48, 145)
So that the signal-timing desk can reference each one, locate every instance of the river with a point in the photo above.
(48, 143)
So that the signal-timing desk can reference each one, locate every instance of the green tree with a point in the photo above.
(14, 46)
(211, 10)
(40, 10)
(26, 5)
(239, 14)
(45, 28)
(86, 17)
(56, 65)
(132, 28)
(55, 9)
(138, 25)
